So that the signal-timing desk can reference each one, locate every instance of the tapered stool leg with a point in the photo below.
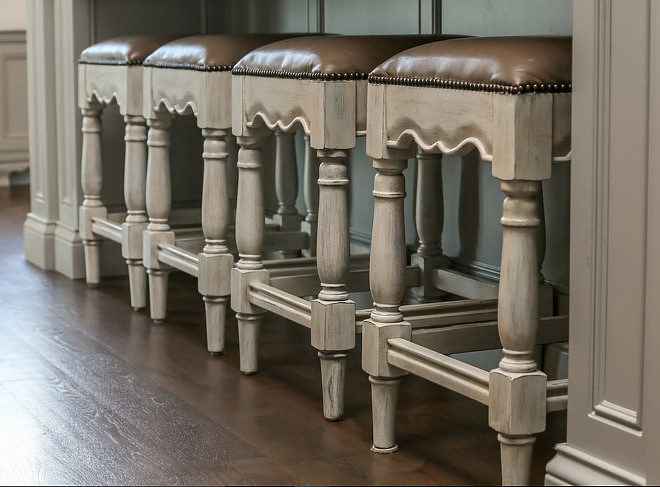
(249, 240)
(429, 220)
(159, 200)
(311, 194)
(517, 390)
(333, 314)
(387, 283)
(135, 180)
(286, 186)
(215, 262)
(92, 182)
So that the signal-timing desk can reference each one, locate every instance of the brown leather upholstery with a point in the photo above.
(210, 52)
(124, 50)
(329, 57)
(502, 64)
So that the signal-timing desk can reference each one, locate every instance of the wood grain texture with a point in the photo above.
(95, 393)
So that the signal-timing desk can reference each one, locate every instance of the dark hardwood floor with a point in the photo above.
(92, 392)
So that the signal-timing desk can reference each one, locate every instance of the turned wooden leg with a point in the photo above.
(215, 261)
(384, 395)
(311, 194)
(387, 283)
(540, 242)
(232, 176)
(286, 186)
(249, 240)
(333, 314)
(92, 182)
(158, 201)
(135, 180)
(516, 458)
(333, 380)
(429, 220)
(517, 390)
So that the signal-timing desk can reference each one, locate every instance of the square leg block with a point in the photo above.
(240, 289)
(131, 240)
(517, 402)
(214, 277)
(426, 265)
(150, 248)
(85, 222)
(333, 325)
(374, 347)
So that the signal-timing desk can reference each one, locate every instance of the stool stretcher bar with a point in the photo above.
(467, 380)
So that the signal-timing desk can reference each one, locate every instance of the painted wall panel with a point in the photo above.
(16, 114)
(372, 16)
(621, 380)
(505, 17)
(14, 15)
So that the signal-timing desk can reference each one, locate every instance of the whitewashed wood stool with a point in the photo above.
(111, 72)
(510, 99)
(317, 85)
(192, 76)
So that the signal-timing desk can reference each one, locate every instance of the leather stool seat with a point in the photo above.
(327, 57)
(125, 50)
(209, 52)
(509, 64)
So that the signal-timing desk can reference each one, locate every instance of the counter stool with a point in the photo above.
(111, 72)
(317, 85)
(192, 76)
(510, 99)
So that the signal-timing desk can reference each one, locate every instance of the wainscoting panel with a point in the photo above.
(13, 105)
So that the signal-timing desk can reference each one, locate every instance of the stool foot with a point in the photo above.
(516, 457)
(385, 451)
(137, 281)
(216, 309)
(384, 393)
(333, 378)
(248, 341)
(92, 249)
(158, 294)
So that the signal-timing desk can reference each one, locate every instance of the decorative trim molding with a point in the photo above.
(13, 36)
(357, 235)
(283, 125)
(573, 467)
(14, 154)
(315, 15)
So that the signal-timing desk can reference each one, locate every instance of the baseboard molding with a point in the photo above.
(18, 36)
(359, 236)
(69, 255)
(475, 268)
(39, 242)
(571, 466)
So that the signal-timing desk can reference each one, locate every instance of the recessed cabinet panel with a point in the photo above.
(13, 97)
(620, 384)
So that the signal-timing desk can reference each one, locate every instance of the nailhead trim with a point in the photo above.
(196, 67)
(134, 62)
(272, 73)
(472, 86)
